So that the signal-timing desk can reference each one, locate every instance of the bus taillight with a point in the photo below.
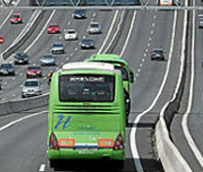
(53, 143)
(118, 145)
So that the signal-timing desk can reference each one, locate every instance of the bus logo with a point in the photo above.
(65, 124)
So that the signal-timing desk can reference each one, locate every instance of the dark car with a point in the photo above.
(158, 54)
(34, 71)
(87, 43)
(57, 48)
(7, 69)
(21, 58)
(79, 14)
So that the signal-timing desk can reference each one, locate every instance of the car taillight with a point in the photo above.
(118, 145)
(53, 143)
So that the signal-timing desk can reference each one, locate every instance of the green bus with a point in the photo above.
(119, 63)
(86, 117)
(122, 65)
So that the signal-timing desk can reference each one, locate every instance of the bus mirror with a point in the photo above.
(131, 77)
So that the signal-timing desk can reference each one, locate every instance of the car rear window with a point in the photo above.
(31, 83)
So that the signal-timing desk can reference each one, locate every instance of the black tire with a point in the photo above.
(23, 96)
(53, 163)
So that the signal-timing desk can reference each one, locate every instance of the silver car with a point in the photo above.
(94, 28)
(48, 60)
(31, 87)
(57, 48)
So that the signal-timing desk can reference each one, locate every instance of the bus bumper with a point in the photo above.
(99, 154)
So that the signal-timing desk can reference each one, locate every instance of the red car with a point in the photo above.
(34, 71)
(53, 28)
(15, 18)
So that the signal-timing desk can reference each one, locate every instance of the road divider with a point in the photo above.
(23, 104)
(25, 34)
(172, 160)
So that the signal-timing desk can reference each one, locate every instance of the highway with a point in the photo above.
(24, 144)
(186, 129)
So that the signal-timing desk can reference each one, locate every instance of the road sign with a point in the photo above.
(1, 40)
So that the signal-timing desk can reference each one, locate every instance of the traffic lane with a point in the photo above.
(60, 58)
(35, 55)
(24, 147)
(11, 31)
(149, 77)
(105, 19)
(195, 119)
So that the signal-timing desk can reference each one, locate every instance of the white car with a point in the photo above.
(70, 34)
(94, 28)
(31, 87)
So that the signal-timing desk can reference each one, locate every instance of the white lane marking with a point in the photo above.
(13, 95)
(154, 16)
(40, 34)
(108, 34)
(115, 33)
(138, 70)
(76, 48)
(92, 19)
(71, 54)
(144, 55)
(42, 167)
(152, 32)
(84, 37)
(94, 15)
(67, 58)
(148, 44)
(146, 50)
(186, 131)
(60, 37)
(6, 19)
(21, 74)
(14, 78)
(150, 38)
(133, 143)
(5, 83)
(153, 24)
(140, 64)
(143, 60)
(129, 34)
(21, 119)
(68, 23)
(137, 74)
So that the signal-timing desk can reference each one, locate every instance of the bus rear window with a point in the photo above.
(86, 88)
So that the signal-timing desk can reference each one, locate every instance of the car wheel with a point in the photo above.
(28, 76)
(53, 163)
(23, 96)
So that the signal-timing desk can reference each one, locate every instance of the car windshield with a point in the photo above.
(33, 68)
(53, 25)
(70, 31)
(31, 83)
(158, 51)
(87, 41)
(86, 88)
(94, 25)
(47, 57)
(15, 16)
(57, 45)
(79, 12)
(6, 65)
(21, 55)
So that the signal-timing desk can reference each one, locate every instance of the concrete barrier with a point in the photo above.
(172, 160)
(23, 105)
